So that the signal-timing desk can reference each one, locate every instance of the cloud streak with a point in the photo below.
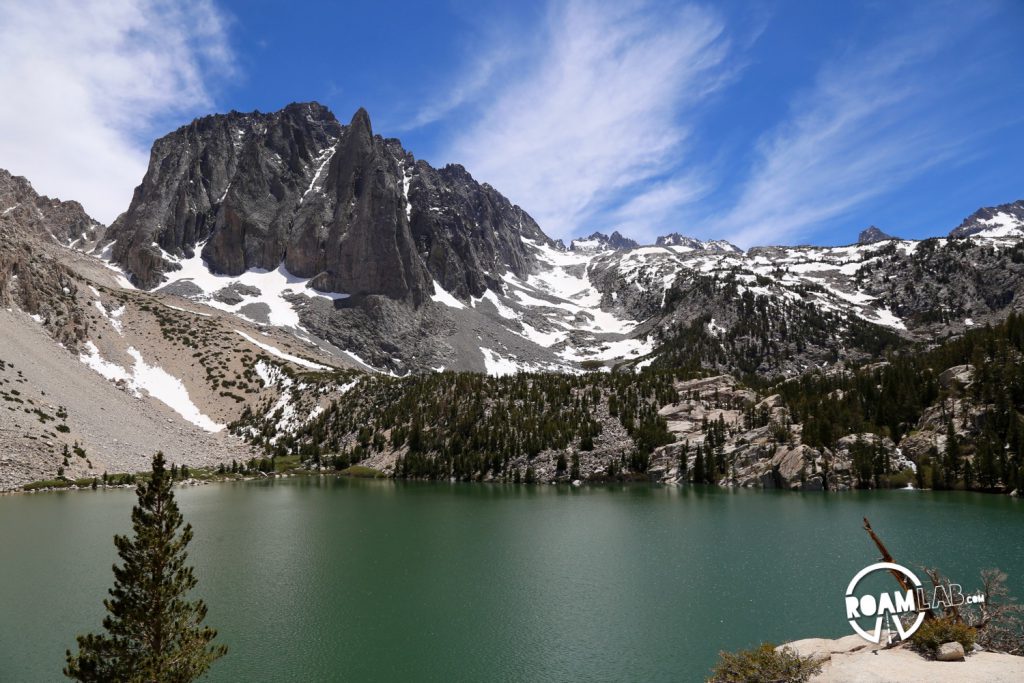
(870, 122)
(590, 129)
(83, 84)
(462, 92)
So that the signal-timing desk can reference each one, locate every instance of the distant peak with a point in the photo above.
(872, 235)
(598, 241)
(993, 221)
(674, 239)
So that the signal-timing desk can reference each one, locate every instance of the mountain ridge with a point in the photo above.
(291, 264)
(293, 219)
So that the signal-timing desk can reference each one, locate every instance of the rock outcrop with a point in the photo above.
(31, 277)
(950, 652)
(853, 660)
(30, 213)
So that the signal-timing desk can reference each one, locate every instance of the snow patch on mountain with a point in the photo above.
(273, 286)
(274, 351)
(1001, 225)
(113, 316)
(167, 388)
(498, 365)
(443, 296)
(321, 163)
(152, 379)
(112, 371)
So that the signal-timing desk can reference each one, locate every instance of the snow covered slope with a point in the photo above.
(598, 305)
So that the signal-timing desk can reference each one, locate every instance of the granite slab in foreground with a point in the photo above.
(853, 660)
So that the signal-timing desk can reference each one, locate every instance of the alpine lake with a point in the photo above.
(331, 579)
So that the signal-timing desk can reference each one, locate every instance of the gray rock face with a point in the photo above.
(66, 221)
(938, 287)
(30, 277)
(235, 293)
(232, 182)
(950, 652)
(353, 211)
(467, 233)
(872, 235)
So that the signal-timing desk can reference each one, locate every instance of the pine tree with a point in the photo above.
(698, 466)
(952, 462)
(152, 632)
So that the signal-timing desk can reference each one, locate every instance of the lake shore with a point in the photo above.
(292, 468)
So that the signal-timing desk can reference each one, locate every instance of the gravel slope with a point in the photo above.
(118, 432)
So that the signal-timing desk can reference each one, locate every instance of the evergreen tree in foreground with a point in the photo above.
(153, 634)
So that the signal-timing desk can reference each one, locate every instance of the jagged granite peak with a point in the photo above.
(24, 209)
(872, 235)
(351, 210)
(674, 239)
(1005, 220)
(598, 241)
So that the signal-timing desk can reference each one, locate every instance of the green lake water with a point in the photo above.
(336, 579)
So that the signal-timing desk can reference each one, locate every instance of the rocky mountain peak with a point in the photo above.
(1005, 220)
(872, 235)
(352, 211)
(598, 241)
(28, 212)
(675, 239)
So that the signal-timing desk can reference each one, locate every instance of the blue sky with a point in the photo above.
(759, 122)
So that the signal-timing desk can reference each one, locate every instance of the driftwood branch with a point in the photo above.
(886, 557)
(999, 619)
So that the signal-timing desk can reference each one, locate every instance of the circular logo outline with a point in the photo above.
(885, 566)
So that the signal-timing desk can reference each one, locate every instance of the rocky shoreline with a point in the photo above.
(184, 483)
(852, 659)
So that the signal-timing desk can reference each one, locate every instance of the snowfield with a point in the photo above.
(558, 306)
(273, 285)
(152, 379)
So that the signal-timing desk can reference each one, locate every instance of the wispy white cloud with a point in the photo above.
(81, 84)
(585, 131)
(871, 121)
(656, 209)
(463, 90)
